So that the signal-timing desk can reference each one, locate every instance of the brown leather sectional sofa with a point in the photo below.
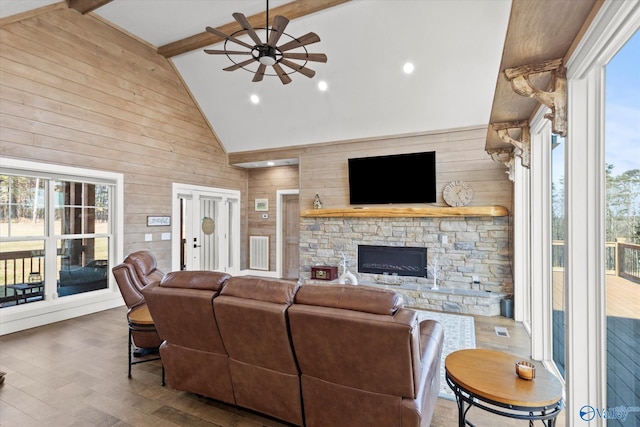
(311, 355)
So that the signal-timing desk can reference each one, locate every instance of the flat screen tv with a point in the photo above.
(398, 178)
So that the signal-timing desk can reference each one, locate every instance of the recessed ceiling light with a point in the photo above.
(408, 68)
(322, 85)
(255, 99)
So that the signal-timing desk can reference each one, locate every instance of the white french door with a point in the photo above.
(207, 234)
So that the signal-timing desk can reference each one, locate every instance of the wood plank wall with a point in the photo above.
(75, 91)
(460, 155)
(263, 184)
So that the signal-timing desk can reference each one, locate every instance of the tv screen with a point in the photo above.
(399, 178)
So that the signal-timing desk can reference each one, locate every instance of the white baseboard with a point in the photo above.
(272, 274)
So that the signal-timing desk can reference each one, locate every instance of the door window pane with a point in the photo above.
(558, 250)
(622, 152)
(209, 255)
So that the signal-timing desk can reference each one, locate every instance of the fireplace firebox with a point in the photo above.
(398, 260)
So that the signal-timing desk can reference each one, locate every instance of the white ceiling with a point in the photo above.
(456, 46)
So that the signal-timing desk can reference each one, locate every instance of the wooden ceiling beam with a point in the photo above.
(293, 10)
(86, 6)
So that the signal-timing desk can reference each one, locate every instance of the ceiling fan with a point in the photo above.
(268, 53)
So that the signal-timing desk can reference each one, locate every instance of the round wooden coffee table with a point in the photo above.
(487, 379)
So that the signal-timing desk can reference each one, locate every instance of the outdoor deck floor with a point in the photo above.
(623, 345)
(623, 340)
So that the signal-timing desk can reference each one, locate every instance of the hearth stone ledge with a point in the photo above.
(451, 300)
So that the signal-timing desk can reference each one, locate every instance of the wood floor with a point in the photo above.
(74, 373)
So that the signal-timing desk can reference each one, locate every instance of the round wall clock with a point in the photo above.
(457, 193)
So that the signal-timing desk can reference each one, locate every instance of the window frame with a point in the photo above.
(53, 309)
(586, 335)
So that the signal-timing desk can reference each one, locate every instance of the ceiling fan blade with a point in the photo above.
(260, 73)
(299, 68)
(299, 42)
(244, 23)
(225, 52)
(316, 57)
(284, 78)
(279, 24)
(227, 37)
(239, 65)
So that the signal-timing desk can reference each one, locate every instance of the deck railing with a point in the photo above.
(557, 254)
(610, 258)
(629, 261)
(621, 259)
(19, 267)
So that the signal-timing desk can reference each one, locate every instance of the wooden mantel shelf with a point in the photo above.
(387, 212)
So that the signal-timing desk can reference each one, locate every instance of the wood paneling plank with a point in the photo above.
(70, 96)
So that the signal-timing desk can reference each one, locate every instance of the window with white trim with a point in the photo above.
(56, 236)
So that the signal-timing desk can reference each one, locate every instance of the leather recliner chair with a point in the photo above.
(252, 317)
(138, 270)
(193, 355)
(364, 360)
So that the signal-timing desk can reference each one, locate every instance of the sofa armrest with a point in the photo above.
(419, 411)
(431, 335)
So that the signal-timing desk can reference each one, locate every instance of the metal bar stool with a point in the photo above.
(140, 320)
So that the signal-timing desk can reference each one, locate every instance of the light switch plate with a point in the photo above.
(148, 237)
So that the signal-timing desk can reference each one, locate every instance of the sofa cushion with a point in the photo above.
(261, 289)
(204, 280)
(348, 297)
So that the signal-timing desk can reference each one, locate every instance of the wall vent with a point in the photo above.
(259, 252)
(502, 331)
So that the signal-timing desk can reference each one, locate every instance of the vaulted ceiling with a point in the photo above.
(456, 47)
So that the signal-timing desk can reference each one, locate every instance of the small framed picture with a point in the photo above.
(262, 205)
(156, 221)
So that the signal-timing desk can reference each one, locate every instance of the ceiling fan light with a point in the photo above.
(267, 60)
(408, 68)
(322, 85)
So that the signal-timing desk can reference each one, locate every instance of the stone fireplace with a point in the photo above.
(466, 248)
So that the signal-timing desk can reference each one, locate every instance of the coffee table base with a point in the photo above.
(467, 399)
